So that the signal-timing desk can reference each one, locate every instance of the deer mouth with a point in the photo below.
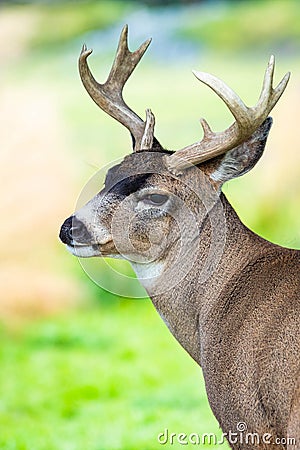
(83, 250)
(87, 250)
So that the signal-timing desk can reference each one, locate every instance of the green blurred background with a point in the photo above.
(80, 367)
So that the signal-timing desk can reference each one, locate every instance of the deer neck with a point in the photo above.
(182, 300)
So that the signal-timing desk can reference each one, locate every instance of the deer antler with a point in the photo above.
(108, 96)
(247, 120)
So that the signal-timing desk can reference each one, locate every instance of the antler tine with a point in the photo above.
(270, 96)
(147, 140)
(108, 96)
(229, 97)
(267, 87)
(125, 61)
(247, 120)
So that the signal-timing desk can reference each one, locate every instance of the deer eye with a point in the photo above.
(155, 199)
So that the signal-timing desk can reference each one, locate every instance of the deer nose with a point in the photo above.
(74, 231)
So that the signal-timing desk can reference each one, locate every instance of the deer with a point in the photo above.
(229, 297)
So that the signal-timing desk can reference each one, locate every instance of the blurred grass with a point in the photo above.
(109, 375)
(67, 383)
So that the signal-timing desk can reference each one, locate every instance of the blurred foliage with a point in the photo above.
(216, 25)
(60, 22)
(246, 25)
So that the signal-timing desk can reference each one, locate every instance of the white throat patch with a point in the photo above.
(148, 273)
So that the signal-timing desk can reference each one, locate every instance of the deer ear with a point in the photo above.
(241, 159)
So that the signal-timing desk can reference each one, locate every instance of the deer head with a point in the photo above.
(155, 202)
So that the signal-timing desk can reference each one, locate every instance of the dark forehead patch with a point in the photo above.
(133, 172)
(128, 185)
